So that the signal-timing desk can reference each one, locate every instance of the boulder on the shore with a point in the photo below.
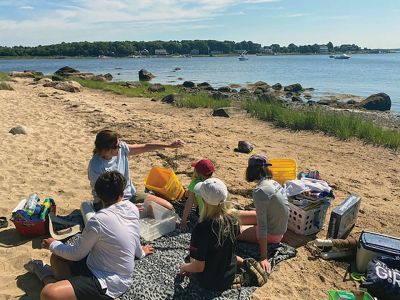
(261, 83)
(108, 77)
(244, 91)
(44, 80)
(326, 102)
(188, 84)
(217, 95)
(24, 74)
(66, 71)
(220, 112)
(68, 86)
(51, 83)
(225, 89)
(132, 84)
(156, 88)
(268, 97)
(57, 78)
(293, 88)
(277, 86)
(351, 102)
(171, 98)
(296, 99)
(19, 129)
(380, 101)
(145, 75)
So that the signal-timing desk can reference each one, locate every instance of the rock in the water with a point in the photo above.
(108, 77)
(145, 75)
(177, 69)
(277, 86)
(293, 88)
(380, 101)
(66, 71)
(5, 86)
(188, 84)
(18, 130)
(171, 98)
(204, 84)
(155, 88)
(68, 86)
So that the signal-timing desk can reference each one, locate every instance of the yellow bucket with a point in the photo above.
(165, 183)
(283, 169)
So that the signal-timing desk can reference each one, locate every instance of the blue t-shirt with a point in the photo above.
(99, 165)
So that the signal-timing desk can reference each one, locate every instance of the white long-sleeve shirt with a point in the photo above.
(111, 242)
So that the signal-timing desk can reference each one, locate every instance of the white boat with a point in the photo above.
(242, 57)
(340, 56)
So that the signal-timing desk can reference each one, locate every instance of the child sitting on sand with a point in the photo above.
(213, 241)
(203, 169)
(100, 263)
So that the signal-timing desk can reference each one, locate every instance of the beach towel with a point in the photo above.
(157, 275)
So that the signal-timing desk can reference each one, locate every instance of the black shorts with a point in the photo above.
(86, 285)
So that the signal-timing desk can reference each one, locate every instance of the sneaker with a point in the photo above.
(39, 269)
(257, 274)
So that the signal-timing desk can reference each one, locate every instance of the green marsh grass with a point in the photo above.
(4, 76)
(342, 125)
(339, 124)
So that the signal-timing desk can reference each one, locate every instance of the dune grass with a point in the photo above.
(185, 99)
(339, 124)
(4, 76)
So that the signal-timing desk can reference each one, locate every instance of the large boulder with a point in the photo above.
(225, 89)
(188, 84)
(277, 86)
(261, 83)
(108, 77)
(171, 98)
(380, 101)
(24, 74)
(68, 86)
(156, 88)
(293, 88)
(145, 75)
(66, 71)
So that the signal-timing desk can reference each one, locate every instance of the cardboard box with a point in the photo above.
(343, 218)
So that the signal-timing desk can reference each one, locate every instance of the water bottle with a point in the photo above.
(30, 204)
(46, 206)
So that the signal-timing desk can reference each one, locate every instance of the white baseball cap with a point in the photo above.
(212, 190)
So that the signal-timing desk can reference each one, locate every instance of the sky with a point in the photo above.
(367, 23)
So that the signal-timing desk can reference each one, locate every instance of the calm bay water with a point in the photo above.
(361, 75)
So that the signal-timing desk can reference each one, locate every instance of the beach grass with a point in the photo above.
(184, 99)
(339, 124)
(4, 76)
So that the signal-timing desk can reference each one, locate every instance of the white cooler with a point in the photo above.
(373, 244)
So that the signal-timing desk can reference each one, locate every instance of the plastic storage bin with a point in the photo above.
(306, 222)
(283, 169)
(373, 244)
(32, 228)
(156, 221)
(165, 183)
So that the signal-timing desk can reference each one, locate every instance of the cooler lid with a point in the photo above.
(380, 242)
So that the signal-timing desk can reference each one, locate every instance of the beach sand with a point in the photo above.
(52, 160)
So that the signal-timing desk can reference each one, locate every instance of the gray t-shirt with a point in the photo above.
(99, 165)
(272, 208)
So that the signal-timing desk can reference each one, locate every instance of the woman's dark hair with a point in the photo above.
(110, 186)
(254, 173)
(105, 140)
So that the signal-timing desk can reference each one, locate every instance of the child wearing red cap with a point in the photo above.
(203, 169)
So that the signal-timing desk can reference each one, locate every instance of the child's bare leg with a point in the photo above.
(159, 200)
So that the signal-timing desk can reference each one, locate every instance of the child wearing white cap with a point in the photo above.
(213, 241)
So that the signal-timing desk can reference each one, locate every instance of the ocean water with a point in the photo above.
(360, 75)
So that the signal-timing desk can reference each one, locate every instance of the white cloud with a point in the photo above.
(27, 7)
(296, 15)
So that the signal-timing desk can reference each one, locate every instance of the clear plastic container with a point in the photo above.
(156, 221)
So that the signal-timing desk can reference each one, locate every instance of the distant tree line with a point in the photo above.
(185, 47)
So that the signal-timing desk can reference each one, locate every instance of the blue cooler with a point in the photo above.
(373, 244)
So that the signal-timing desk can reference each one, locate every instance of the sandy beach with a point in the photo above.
(52, 160)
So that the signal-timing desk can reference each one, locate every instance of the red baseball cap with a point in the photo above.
(204, 167)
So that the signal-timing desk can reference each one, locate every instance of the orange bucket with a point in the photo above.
(165, 183)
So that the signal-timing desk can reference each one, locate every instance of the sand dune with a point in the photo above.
(52, 160)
